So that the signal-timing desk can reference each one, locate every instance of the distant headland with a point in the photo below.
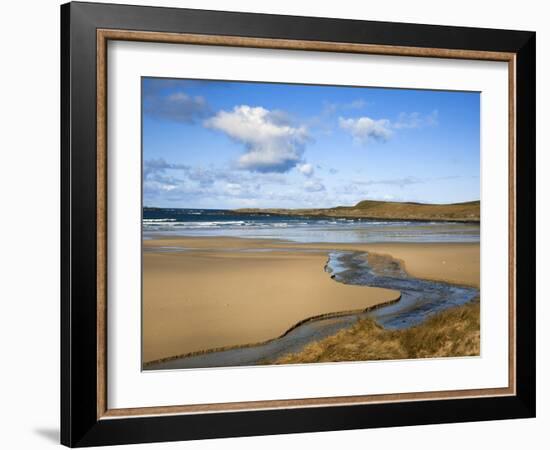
(373, 209)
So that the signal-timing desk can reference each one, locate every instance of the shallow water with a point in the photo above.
(419, 299)
(215, 223)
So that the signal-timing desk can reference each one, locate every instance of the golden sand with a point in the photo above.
(222, 292)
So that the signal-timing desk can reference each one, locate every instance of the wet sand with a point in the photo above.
(221, 296)
(205, 293)
(456, 263)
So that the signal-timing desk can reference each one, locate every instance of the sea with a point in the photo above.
(217, 222)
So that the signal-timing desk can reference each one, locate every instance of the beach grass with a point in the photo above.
(453, 332)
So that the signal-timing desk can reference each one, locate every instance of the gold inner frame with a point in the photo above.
(104, 35)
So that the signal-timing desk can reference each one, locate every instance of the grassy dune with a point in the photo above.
(371, 209)
(454, 332)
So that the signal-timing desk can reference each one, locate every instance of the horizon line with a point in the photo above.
(310, 207)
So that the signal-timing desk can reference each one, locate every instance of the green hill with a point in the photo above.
(373, 209)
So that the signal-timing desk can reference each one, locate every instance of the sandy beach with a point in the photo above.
(204, 293)
(453, 262)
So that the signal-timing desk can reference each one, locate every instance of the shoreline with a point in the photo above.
(404, 252)
(165, 316)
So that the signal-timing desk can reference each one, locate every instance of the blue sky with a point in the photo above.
(219, 144)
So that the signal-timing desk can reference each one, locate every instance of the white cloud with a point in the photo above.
(365, 129)
(271, 143)
(170, 183)
(159, 165)
(401, 182)
(314, 186)
(233, 188)
(306, 169)
(416, 120)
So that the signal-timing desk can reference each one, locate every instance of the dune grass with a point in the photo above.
(454, 332)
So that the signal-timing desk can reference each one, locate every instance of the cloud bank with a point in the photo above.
(166, 183)
(176, 107)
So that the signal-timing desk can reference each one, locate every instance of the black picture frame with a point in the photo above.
(80, 425)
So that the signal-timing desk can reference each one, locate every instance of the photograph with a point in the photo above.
(301, 223)
(276, 223)
(282, 221)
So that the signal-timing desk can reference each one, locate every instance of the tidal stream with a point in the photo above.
(419, 299)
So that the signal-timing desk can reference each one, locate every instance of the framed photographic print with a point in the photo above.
(276, 224)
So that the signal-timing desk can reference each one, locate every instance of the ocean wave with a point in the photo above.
(198, 224)
(316, 223)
